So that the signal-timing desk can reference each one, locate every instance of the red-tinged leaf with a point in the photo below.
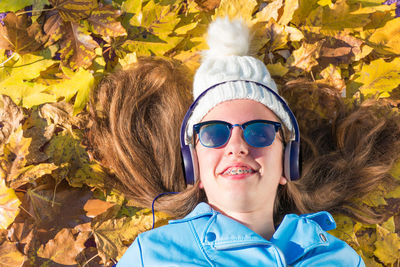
(74, 10)
(18, 35)
(77, 46)
(103, 20)
(52, 27)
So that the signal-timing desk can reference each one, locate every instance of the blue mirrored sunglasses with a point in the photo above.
(257, 133)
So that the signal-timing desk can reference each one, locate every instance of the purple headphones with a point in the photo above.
(292, 149)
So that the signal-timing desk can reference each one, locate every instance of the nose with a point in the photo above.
(236, 144)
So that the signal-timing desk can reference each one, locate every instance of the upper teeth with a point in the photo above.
(235, 171)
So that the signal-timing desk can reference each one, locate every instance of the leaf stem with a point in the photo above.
(89, 260)
(37, 10)
(4, 62)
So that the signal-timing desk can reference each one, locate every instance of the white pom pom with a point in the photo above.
(226, 38)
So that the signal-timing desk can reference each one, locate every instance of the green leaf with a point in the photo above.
(379, 77)
(77, 47)
(9, 204)
(14, 5)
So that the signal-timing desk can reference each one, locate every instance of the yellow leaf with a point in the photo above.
(81, 80)
(9, 204)
(395, 171)
(372, 9)
(387, 246)
(236, 8)
(389, 225)
(128, 60)
(324, 2)
(375, 198)
(270, 11)
(345, 229)
(295, 34)
(277, 69)
(394, 193)
(379, 77)
(387, 38)
(111, 235)
(288, 11)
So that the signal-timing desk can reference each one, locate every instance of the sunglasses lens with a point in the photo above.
(259, 134)
(214, 135)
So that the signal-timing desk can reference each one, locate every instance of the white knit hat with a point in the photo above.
(227, 62)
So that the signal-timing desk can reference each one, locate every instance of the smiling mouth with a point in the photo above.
(237, 171)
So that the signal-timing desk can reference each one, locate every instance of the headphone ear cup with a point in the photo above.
(187, 161)
(291, 162)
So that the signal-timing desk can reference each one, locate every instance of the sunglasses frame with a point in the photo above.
(197, 127)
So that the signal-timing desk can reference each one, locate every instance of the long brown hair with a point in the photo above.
(135, 120)
(347, 148)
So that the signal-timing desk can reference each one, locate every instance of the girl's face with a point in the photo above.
(254, 189)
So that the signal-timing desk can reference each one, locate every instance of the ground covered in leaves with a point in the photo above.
(55, 209)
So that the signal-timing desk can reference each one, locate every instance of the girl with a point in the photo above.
(240, 149)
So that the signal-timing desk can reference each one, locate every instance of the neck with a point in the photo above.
(260, 221)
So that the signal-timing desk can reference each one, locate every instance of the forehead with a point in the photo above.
(240, 111)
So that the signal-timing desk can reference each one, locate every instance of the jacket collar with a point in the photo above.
(295, 236)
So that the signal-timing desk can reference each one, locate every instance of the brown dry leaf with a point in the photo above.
(306, 56)
(77, 46)
(18, 35)
(60, 114)
(65, 247)
(208, 5)
(52, 27)
(10, 255)
(53, 211)
(103, 20)
(340, 49)
(276, 35)
(10, 118)
(331, 75)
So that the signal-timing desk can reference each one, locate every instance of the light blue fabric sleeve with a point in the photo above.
(133, 256)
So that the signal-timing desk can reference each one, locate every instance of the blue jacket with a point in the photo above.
(207, 238)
